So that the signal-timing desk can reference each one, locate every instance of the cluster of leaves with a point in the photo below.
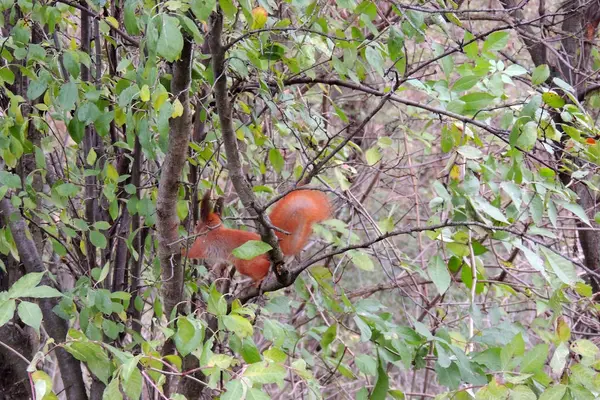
(497, 197)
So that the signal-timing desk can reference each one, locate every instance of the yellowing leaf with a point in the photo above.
(373, 155)
(455, 172)
(145, 93)
(177, 109)
(159, 99)
(111, 173)
(91, 157)
(259, 16)
(112, 21)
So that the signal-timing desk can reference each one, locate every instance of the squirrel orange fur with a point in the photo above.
(295, 213)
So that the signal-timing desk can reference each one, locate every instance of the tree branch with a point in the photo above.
(271, 285)
(234, 163)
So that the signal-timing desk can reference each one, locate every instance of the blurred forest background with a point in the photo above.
(457, 141)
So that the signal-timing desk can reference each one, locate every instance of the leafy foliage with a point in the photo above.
(455, 265)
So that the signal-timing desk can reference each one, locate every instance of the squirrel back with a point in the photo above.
(296, 213)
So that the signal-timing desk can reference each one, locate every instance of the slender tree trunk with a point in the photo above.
(166, 204)
(56, 327)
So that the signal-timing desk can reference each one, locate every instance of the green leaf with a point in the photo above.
(7, 75)
(9, 179)
(578, 211)
(396, 44)
(68, 95)
(382, 385)
(438, 272)
(251, 249)
(563, 268)
(329, 335)
(275, 354)
(540, 74)
(584, 348)
(7, 311)
(30, 314)
(91, 157)
(112, 391)
(555, 392)
(238, 325)
(276, 160)
(36, 88)
(67, 189)
(273, 52)
(170, 41)
(490, 210)
(265, 373)
(94, 356)
(98, 239)
(228, 8)
(373, 155)
(216, 303)
(515, 70)
(203, 8)
(465, 83)
(133, 386)
(553, 99)
(534, 359)
(71, 63)
(189, 335)
(111, 329)
(496, 41)
(88, 113)
(522, 392)
(563, 85)
(361, 260)
(76, 130)
(375, 59)
(475, 102)
(559, 358)
(104, 272)
(40, 292)
(234, 390)
(25, 282)
(528, 137)
(366, 364)
(365, 330)
(469, 152)
(249, 352)
(130, 19)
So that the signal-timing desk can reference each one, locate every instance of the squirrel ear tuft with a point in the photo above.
(205, 207)
(219, 205)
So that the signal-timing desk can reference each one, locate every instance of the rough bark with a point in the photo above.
(167, 220)
(166, 204)
(14, 382)
(136, 265)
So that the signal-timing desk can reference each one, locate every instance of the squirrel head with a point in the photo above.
(209, 219)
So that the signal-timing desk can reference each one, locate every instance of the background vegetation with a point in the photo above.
(457, 141)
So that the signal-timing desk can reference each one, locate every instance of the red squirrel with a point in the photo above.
(295, 213)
